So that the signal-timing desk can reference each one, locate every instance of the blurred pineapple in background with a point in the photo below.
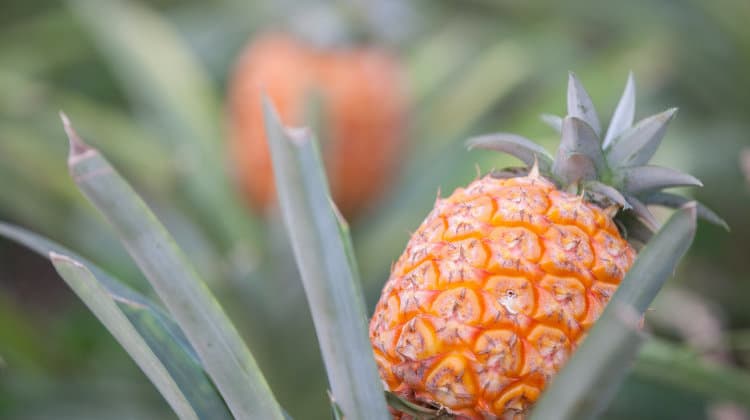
(363, 109)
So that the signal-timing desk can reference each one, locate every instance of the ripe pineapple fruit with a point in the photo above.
(363, 115)
(503, 279)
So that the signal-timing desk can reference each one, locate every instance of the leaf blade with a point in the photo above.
(580, 104)
(520, 147)
(322, 250)
(588, 380)
(637, 145)
(624, 113)
(218, 344)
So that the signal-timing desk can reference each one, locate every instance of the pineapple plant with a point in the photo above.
(362, 144)
(504, 278)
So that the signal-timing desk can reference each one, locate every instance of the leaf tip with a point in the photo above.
(77, 147)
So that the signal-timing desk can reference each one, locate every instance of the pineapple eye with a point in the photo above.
(510, 293)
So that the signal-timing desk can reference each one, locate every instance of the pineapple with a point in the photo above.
(504, 277)
(363, 115)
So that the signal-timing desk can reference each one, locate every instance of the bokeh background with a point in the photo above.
(146, 82)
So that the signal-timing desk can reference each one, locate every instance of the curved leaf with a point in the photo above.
(163, 337)
(322, 248)
(637, 145)
(623, 116)
(522, 148)
(580, 104)
(639, 179)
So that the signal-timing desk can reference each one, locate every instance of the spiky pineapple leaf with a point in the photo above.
(322, 248)
(580, 104)
(587, 383)
(675, 201)
(637, 145)
(622, 119)
(646, 178)
(579, 156)
(607, 191)
(554, 121)
(163, 337)
(219, 346)
(639, 210)
(522, 148)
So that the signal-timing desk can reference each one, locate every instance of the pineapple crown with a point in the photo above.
(610, 170)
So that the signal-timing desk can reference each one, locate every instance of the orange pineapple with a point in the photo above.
(503, 279)
(363, 100)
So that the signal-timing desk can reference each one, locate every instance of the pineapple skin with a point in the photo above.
(363, 116)
(493, 293)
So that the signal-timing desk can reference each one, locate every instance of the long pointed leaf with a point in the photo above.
(220, 348)
(674, 201)
(580, 104)
(640, 179)
(522, 148)
(322, 250)
(642, 212)
(579, 156)
(623, 116)
(637, 145)
(162, 335)
(588, 380)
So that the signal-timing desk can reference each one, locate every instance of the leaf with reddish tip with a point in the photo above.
(640, 179)
(637, 145)
(522, 148)
(580, 104)
(623, 116)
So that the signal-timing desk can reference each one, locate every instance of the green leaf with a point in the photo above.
(674, 201)
(324, 257)
(677, 366)
(657, 260)
(113, 316)
(622, 119)
(579, 156)
(589, 379)
(637, 145)
(156, 328)
(216, 341)
(640, 179)
(522, 148)
(580, 104)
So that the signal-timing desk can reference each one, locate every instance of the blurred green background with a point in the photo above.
(146, 83)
